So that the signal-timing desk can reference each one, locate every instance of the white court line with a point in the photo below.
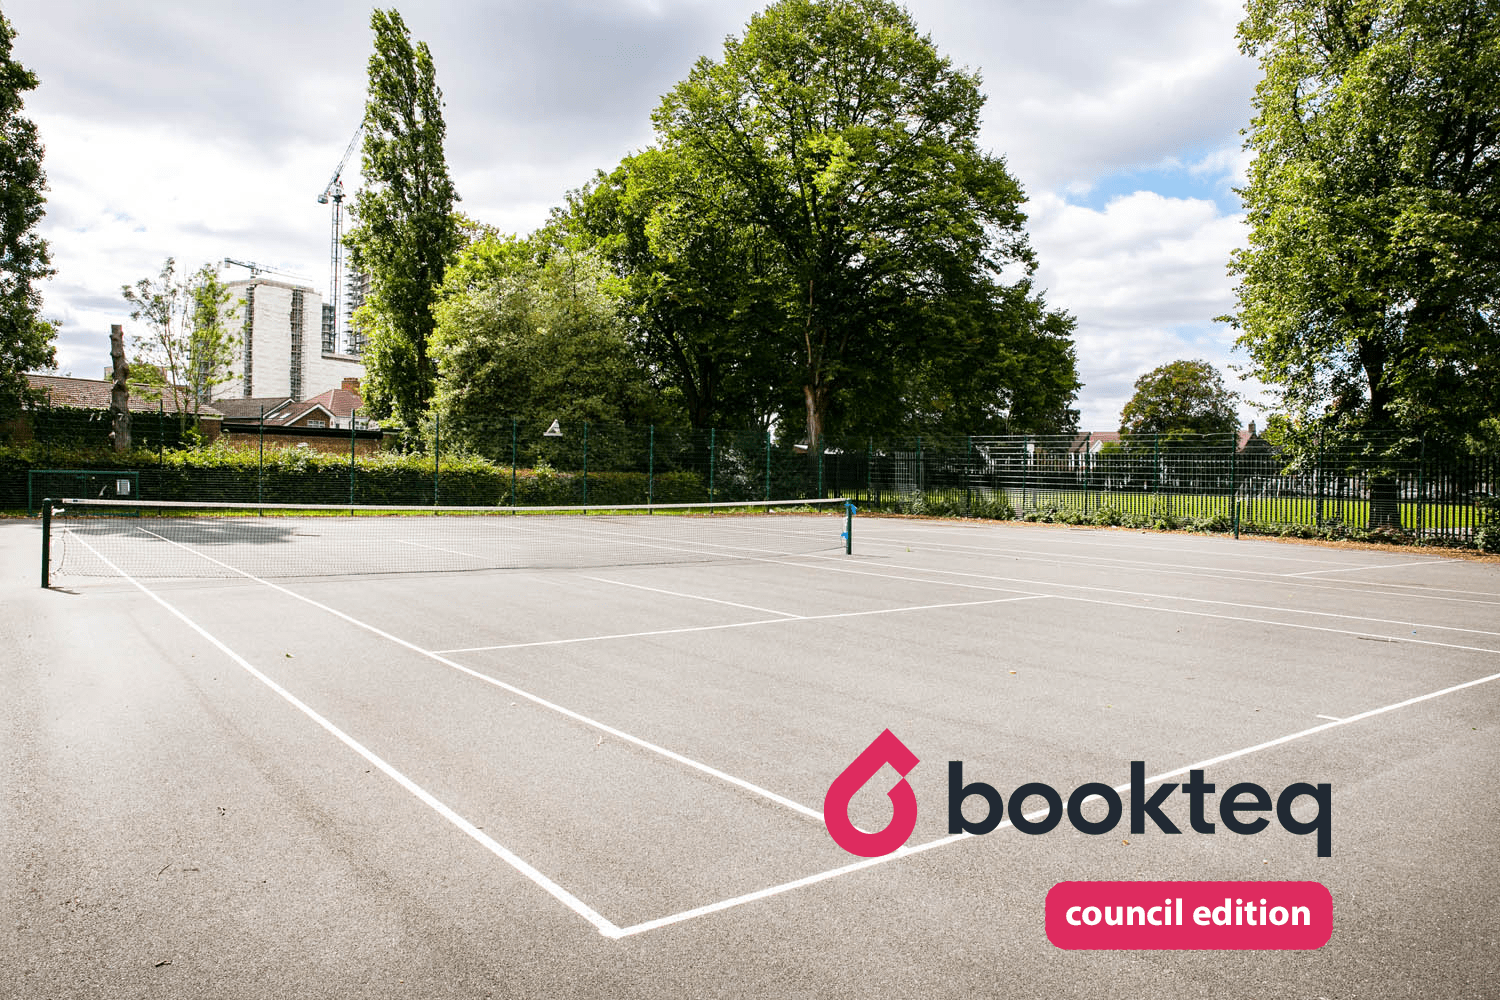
(572, 902)
(905, 852)
(1216, 573)
(535, 699)
(439, 548)
(750, 624)
(1127, 593)
(1356, 569)
(1330, 718)
(693, 597)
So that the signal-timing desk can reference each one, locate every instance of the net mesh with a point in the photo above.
(192, 541)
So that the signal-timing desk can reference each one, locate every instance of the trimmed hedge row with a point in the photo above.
(293, 476)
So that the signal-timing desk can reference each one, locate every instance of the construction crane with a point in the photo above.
(256, 270)
(334, 193)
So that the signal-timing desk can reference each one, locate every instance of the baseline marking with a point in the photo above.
(906, 852)
(603, 925)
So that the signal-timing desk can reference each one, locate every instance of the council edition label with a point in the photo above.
(1189, 915)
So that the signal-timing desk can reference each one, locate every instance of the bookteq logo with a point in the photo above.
(1237, 807)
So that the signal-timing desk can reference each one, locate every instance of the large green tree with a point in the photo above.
(26, 340)
(1182, 397)
(532, 332)
(1368, 292)
(406, 230)
(834, 153)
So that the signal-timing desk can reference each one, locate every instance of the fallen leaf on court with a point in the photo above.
(1012, 671)
(289, 656)
(1125, 842)
(165, 961)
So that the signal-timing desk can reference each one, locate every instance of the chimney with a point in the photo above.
(1252, 428)
(351, 385)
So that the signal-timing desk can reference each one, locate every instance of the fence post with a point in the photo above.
(921, 471)
(870, 471)
(968, 473)
(1318, 485)
(437, 454)
(1088, 456)
(161, 434)
(585, 464)
(651, 466)
(1234, 482)
(712, 441)
(768, 465)
(352, 424)
(512, 461)
(260, 468)
(1421, 484)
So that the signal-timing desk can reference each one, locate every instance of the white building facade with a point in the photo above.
(286, 344)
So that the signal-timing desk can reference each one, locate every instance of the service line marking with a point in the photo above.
(749, 624)
(1330, 718)
(694, 597)
(511, 688)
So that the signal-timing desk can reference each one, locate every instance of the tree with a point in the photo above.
(406, 229)
(1183, 397)
(699, 287)
(531, 332)
(187, 350)
(26, 340)
(836, 141)
(1368, 293)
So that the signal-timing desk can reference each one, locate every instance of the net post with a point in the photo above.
(848, 529)
(46, 543)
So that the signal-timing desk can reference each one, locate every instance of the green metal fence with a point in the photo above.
(1351, 485)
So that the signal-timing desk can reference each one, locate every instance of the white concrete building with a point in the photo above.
(286, 343)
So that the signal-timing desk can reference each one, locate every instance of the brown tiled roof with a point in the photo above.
(93, 394)
(241, 408)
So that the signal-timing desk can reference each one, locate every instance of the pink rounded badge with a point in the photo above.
(1189, 915)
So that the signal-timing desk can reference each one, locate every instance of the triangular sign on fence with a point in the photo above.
(553, 432)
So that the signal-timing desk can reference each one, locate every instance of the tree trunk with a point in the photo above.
(816, 399)
(119, 394)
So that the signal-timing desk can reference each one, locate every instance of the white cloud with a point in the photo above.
(1144, 277)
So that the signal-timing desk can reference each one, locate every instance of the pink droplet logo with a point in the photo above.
(886, 749)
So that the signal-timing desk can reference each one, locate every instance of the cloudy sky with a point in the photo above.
(206, 130)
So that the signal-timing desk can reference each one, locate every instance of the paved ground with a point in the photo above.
(607, 781)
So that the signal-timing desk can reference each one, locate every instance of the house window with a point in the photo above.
(317, 423)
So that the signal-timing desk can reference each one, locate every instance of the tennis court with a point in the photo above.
(249, 765)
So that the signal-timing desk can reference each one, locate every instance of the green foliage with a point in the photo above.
(187, 350)
(406, 229)
(26, 340)
(538, 337)
(1368, 291)
(831, 157)
(1182, 397)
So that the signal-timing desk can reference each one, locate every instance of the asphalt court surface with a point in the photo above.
(653, 743)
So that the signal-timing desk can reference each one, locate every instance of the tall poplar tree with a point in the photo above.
(405, 229)
(26, 340)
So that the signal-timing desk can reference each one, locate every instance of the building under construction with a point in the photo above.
(288, 344)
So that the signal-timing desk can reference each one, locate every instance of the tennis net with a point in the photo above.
(88, 537)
